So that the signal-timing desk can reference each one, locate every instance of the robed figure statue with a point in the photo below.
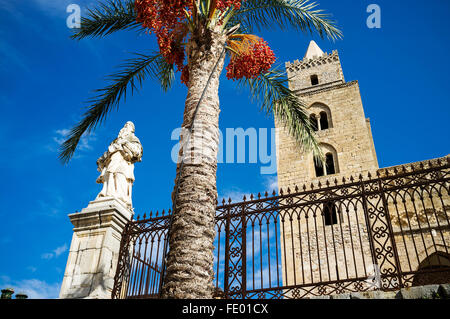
(116, 165)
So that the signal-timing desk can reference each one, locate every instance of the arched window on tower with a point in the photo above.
(314, 79)
(329, 162)
(330, 165)
(330, 213)
(320, 169)
(324, 121)
(314, 122)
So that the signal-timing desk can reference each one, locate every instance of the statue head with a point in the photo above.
(127, 129)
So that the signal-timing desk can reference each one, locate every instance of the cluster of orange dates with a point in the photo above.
(251, 63)
(165, 18)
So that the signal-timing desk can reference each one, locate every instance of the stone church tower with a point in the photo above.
(336, 111)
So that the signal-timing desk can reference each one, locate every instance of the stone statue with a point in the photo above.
(117, 165)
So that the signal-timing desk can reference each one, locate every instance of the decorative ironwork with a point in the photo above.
(383, 232)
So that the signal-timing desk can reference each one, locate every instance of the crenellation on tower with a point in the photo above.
(318, 69)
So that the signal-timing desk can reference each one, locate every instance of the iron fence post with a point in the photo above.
(244, 251)
(227, 253)
(391, 233)
(367, 219)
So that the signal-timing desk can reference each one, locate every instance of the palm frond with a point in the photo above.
(302, 15)
(131, 75)
(108, 17)
(271, 90)
(165, 73)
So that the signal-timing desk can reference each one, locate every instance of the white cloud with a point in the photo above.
(58, 251)
(34, 288)
(47, 256)
(54, 7)
(55, 253)
(61, 136)
(236, 196)
(271, 184)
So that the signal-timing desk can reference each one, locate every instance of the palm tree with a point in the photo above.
(205, 31)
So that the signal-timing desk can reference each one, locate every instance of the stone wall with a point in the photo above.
(419, 292)
(327, 68)
(349, 136)
(316, 252)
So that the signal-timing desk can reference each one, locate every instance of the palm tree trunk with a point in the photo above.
(189, 272)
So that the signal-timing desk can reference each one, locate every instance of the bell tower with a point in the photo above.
(336, 112)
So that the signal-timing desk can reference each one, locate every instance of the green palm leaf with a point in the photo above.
(131, 75)
(299, 14)
(108, 17)
(271, 90)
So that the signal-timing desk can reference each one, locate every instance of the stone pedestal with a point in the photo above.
(94, 250)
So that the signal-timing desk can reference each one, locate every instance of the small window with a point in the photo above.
(314, 79)
(324, 121)
(329, 161)
(314, 122)
(330, 214)
(320, 170)
(327, 167)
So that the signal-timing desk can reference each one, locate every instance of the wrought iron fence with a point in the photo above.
(383, 232)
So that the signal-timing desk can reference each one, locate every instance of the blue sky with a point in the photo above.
(45, 78)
